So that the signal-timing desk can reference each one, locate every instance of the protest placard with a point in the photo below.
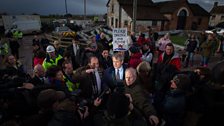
(120, 42)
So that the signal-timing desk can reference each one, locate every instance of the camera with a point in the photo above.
(81, 102)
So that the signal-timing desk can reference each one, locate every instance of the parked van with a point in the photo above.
(27, 24)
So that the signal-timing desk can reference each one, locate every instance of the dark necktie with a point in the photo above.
(118, 75)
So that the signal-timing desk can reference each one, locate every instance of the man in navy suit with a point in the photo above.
(114, 75)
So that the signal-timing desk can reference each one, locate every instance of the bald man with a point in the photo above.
(132, 87)
(39, 75)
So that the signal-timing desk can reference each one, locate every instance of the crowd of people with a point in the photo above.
(88, 86)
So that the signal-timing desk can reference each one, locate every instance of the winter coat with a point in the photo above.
(139, 99)
(135, 59)
(174, 108)
(191, 45)
(206, 48)
(175, 60)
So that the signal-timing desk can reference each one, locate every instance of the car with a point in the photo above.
(219, 31)
(64, 31)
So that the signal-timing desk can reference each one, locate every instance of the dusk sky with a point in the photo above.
(45, 7)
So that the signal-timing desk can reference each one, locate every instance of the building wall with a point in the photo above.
(218, 19)
(191, 20)
(126, 18)
(196, 22)
(113, 15)
(142, 25)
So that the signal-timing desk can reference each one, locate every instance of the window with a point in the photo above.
(112, 21)
(116, 23)
(199, 21)
(222, 17)
(125, 23)
(213, 17)
(154, 23)
(112, 8)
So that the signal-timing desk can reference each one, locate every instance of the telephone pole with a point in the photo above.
(66, 8)
(135, 2)
(84, 9)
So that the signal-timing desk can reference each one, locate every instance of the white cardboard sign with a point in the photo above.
(120, 42)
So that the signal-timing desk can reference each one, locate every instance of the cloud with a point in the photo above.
(52, 6)
(74, 6)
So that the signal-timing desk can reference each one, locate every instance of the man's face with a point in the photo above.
(145, 47)
(169, 50)
(59, 76)
(56, 45)
(52, 54)
(105, 53)
(41, 72)
(74, 41)
(129, 78)
(94, 63)
(117, 63)
(11, 59)
(68, 68)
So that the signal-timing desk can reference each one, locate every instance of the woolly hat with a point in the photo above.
(118, 105)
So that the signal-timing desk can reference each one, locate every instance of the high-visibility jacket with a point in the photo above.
(50, 62)
(4, 49)
(72, 86)
(15, 34)
(19, 35)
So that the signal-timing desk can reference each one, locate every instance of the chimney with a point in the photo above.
(215, 4)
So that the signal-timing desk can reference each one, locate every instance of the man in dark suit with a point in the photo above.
(76, 52)
(90, 79)
(114, 75)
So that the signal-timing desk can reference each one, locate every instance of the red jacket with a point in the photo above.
(175, 60)
(37, 60)
(135, 59)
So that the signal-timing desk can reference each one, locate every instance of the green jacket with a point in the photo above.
(206, 48)
(139, 99)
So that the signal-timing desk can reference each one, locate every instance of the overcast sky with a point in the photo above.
(45, 7)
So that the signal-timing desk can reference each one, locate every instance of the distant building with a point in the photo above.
(169, 15)
(217, 14)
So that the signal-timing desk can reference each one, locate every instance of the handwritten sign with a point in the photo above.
(120, 42)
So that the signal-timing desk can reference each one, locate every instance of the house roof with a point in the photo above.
(145, 13)
(140, 2)
(198, 10)
(130, 2)
(169, 7)
(217, 10)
